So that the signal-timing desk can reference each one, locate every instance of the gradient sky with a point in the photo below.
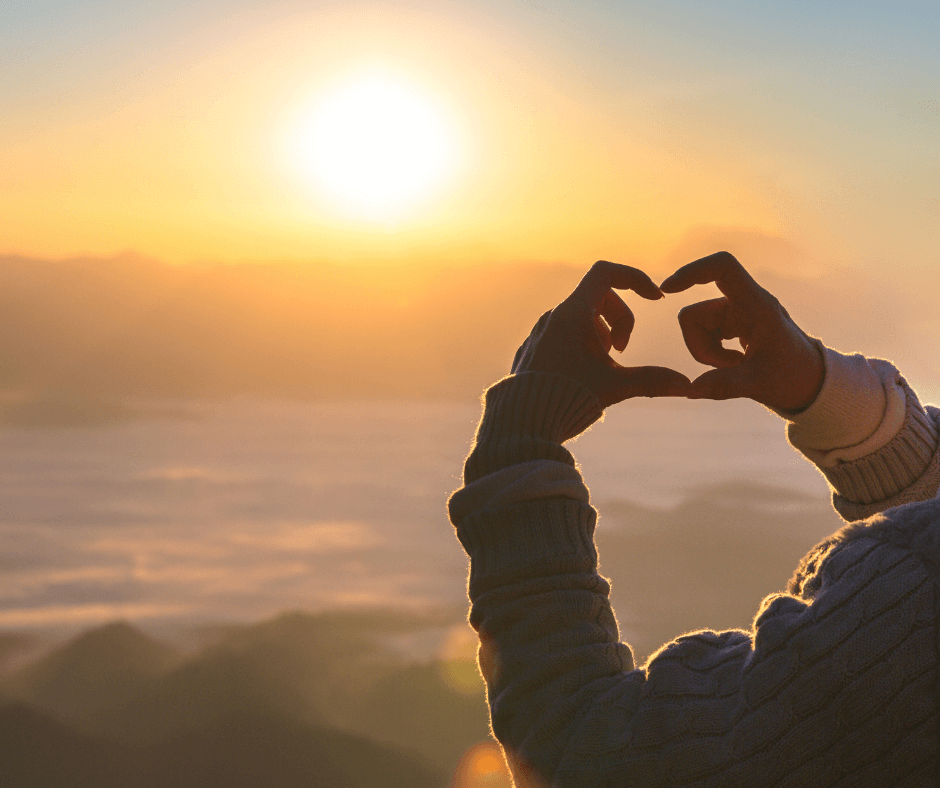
(588, 129)
(804, 137)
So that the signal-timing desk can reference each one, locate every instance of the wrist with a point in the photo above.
(528, 416)
(807, 380)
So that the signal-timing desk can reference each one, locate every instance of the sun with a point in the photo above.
(377, 146)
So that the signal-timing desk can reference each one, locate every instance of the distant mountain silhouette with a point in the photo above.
(199, 693)
(248, 750)
(100, 669)
(15, 645)
(313, 668)
(416, 709)
(667, 565)
(240, 750)
(262, 706)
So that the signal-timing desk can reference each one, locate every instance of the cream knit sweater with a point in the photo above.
(836, 684)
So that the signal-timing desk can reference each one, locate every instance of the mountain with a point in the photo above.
(100, 669)
(246, 750)
(308, 667)
(14, 646)
(199, 693)
(37, 751)
(254, 708)
(416, 708)
(239, 750)
(661, 561)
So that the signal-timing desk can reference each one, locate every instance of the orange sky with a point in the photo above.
(577, 131)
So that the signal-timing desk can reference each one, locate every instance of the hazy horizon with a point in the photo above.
(98, 340)
(259, 261)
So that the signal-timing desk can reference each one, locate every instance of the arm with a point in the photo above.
(856, 419)
(836, 680)
(869, 435)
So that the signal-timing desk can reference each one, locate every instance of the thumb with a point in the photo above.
(723, 383)
(626, 382)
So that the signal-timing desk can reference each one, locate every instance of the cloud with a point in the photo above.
(86, 614)
(310, 538)
(171, 333)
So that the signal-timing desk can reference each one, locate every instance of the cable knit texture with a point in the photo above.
(836, 684)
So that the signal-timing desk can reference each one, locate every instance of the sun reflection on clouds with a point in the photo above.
(184, 473)
(310, 537)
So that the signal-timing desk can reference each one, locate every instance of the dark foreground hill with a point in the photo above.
(243, 750)
(298, 700)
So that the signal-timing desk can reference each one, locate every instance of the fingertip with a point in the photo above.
(649, 290)
(670, 285)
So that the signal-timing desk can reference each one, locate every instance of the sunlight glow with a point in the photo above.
(482, 766)
(377, 146)
(457, 661)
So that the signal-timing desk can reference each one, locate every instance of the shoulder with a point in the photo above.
(911, 530)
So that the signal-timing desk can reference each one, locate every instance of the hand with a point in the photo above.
(574, 339)
(780, 366)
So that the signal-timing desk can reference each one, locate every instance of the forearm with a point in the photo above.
(546, 629)
(527, 417)
(549, 639)
(710, 709)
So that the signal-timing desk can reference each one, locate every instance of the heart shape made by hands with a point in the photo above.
(780, 366)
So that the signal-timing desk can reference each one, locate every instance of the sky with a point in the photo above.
(212, 211)
(565, 131)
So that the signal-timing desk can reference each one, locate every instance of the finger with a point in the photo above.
(721, 384)
(626, 382)
(703, 326)
(619, 318)
(603, 332)
(603, 275)
(722, 269)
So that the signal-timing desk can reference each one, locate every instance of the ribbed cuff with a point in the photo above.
(526, 481)
(848, 409)
(544, 538)
(527, 417)
(898, 465)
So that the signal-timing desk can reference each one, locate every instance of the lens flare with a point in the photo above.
(457, 661)
(482, 766)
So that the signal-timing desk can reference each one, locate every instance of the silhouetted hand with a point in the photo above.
(780, 367)
(574, 339)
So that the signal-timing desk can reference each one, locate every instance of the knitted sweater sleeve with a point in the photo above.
(869, 435)
(835, 685)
